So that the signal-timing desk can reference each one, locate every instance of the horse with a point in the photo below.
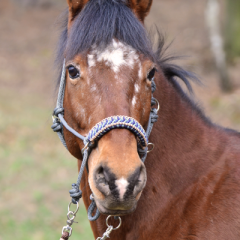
(189, 185)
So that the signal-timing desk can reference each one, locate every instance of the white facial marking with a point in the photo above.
(115, 44)
(112, 58)
(93, 88)
(140, 70)
(137, 87)
(89, 120)
(115, 55)
(91, 60)
(134, 101)
(122, 186)
(82, 112)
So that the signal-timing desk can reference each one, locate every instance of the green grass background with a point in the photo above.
(36, 174)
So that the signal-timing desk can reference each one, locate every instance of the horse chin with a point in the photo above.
(116, 211)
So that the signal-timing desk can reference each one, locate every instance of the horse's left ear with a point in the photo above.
(141, 8)
(75, 7)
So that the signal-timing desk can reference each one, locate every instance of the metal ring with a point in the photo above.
(119, 219)
(68, 229)
(158, 104)
(85, 148)
(150, 144)
(74, 213)
(91, 197)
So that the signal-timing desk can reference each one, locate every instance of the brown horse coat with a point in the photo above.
(193, 175)
(193, 186)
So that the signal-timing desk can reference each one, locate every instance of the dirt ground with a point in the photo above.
(33, 162)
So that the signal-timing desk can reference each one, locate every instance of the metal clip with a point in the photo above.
(67, 229)
(106, 234)
(109, 229)
(70, 220)
(69, 205)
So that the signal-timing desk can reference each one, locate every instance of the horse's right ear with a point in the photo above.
(75, 6)
(141, 8)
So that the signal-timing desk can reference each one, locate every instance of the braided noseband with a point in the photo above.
(110, 123)
(96, 133)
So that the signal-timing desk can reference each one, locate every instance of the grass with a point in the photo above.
(35, 175)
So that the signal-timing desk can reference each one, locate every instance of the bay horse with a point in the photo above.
(189, 185)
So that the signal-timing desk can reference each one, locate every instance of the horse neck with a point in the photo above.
(185, 142)
(185, 149)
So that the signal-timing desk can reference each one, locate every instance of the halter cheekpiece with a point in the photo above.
(100, 129)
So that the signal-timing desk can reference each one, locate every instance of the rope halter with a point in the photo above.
(101, 128)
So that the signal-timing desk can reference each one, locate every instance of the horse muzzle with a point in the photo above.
(118, 196)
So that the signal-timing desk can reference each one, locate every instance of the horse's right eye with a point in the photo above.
(151, 74)
(73, 72)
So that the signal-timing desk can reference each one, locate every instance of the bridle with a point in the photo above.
(94, 135)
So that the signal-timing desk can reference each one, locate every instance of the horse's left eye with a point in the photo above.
(73, 72)
(151, 74)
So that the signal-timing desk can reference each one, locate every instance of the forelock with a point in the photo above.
(101, 21)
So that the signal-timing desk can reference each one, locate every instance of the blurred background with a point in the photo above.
(36, 171)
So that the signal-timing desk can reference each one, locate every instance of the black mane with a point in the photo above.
(97, 24)
(103, 20)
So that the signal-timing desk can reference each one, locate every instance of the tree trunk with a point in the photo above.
(217, 45)
(232, 31)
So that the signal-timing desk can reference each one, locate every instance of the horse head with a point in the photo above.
(109, 71)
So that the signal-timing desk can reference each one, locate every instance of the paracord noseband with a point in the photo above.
(101, 128)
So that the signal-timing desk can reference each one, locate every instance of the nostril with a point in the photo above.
(106, 175)
(138, 175)
(99, 173)
(100, 177)
(138, 180)
(142, 175)
(104, 180)
(134, 179)
(103, 173)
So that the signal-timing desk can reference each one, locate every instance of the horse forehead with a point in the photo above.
(115, 55)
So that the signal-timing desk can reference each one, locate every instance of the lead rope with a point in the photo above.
(76, 194)
(123, 122)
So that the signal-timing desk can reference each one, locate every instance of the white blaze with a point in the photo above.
(134, 101)
(122, 186)
(91, 60)
(115, 55)
(113, 58)
(137, 87)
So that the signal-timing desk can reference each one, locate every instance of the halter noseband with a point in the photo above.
(97, 132)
